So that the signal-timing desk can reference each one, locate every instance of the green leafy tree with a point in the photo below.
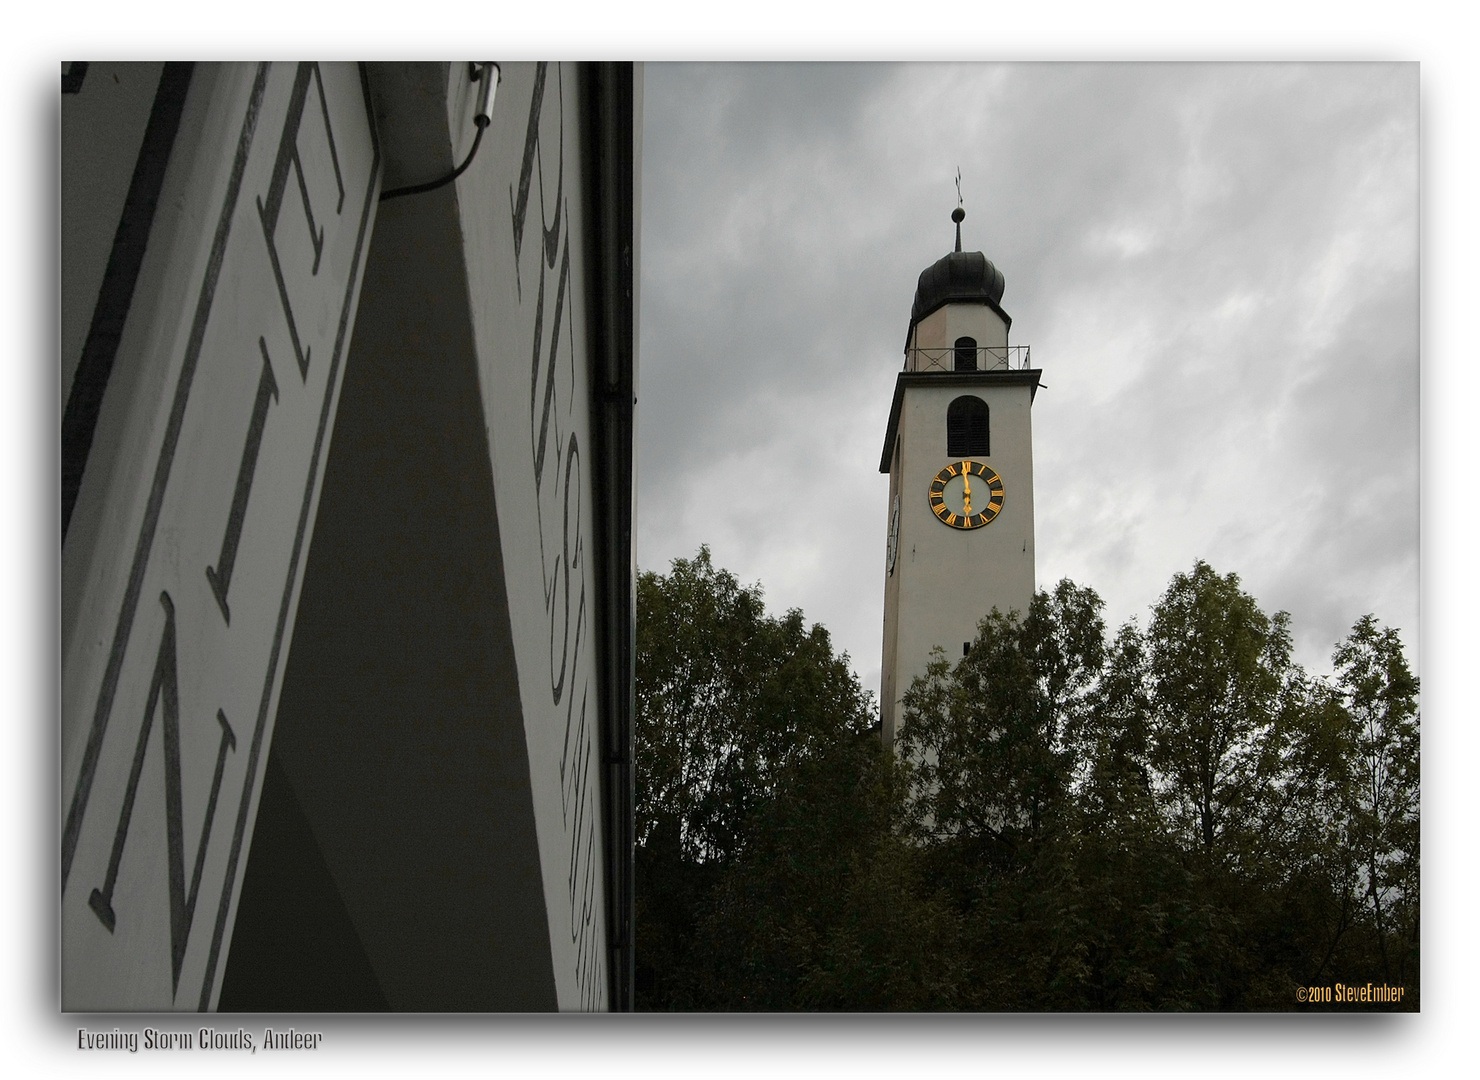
(990, 740)
(1179, 818)
(1150, 935)
(761, 785)
(1220, 673)
(1182, 819)
(994, 750)
(1379, 695)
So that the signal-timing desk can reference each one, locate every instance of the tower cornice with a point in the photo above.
(1021, 377)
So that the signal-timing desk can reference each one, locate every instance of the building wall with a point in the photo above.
(362, 564)
(940, 329)
(179, 587)
(946, 580)
(524, 229)
(401, 734)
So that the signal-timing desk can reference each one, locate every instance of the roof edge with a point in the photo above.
(1028, 377)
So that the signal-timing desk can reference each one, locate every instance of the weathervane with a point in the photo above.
(958, 215)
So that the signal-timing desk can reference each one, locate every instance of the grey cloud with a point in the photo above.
(1216, 266)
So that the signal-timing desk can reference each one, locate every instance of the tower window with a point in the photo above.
(966, 354)
(967, 431)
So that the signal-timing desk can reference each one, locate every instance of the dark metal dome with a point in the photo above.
(962, 277)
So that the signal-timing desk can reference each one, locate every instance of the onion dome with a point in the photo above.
(962, 277)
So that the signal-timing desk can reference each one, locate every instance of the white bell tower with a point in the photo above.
(959, 454)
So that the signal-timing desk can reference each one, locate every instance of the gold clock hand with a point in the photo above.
(966, 488)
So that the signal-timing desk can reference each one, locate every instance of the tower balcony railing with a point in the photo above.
(981, 358)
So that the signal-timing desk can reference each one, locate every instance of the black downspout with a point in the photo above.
(609, 135)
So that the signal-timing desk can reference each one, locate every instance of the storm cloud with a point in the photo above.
(1215, 265)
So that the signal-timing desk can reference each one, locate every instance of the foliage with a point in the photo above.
(1378, 806)
(1175, 818)
(1219, 673)
(759, 786)
(728, 700)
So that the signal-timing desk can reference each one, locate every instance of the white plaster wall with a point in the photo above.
(941, 328)
(154, 509)
(946, 580)
(529, 319)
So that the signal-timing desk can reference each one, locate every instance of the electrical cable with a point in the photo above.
(491, 76)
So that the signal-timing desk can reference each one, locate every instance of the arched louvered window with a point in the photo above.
(966, 354)
(967, 430)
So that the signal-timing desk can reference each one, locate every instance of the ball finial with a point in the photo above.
(958, 215)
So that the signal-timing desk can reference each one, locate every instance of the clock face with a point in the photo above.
(966, 495)
(893, 535)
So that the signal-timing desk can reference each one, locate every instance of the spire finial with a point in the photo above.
(958, 215)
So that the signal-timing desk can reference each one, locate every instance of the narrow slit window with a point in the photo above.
(967, 431)
(966, 354)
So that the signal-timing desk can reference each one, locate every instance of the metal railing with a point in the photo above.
(981, 358)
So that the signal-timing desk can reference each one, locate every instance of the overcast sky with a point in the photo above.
(1215, 265)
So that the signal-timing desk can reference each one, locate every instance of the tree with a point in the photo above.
(995, 748)
(990, 740)
(1220, 673)
(728, 698)
(1179, 818)
(1182, 819)
(760, 786)
(1379, 695)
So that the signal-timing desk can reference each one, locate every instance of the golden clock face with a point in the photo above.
(966, 495)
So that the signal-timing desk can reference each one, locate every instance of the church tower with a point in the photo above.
(959, 454)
